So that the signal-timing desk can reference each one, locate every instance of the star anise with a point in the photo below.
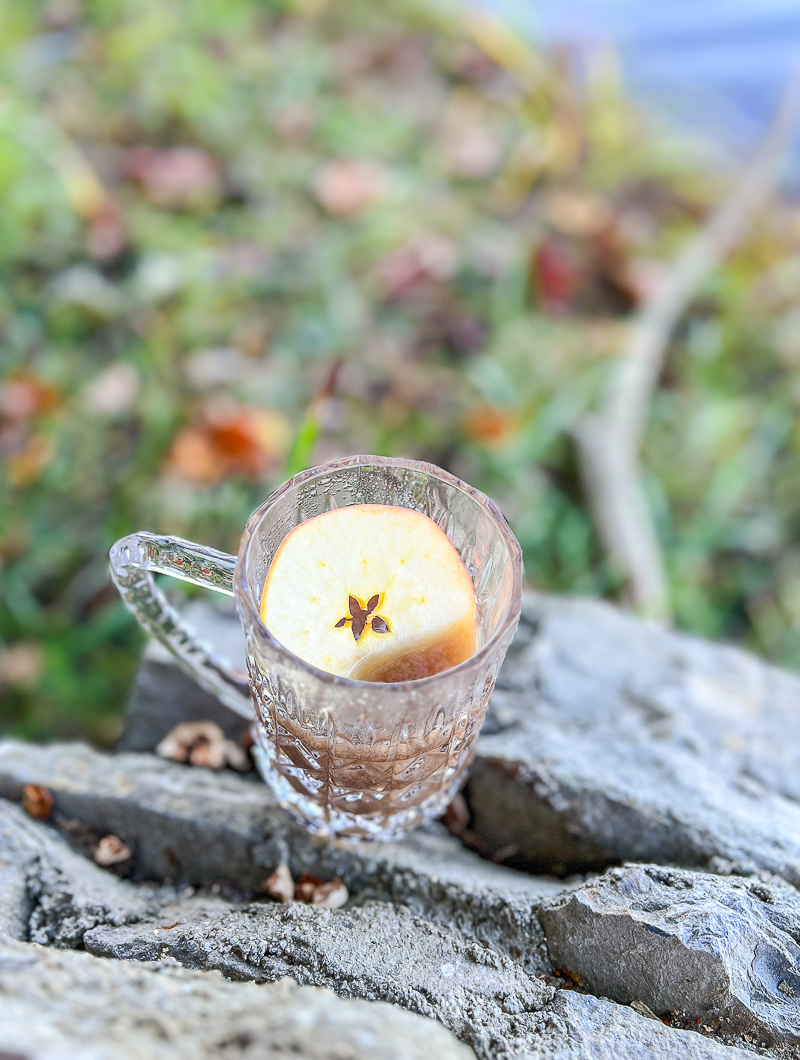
(360, 615)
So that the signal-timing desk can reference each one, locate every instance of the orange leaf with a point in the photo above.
(489, 425)
(37, 801)
(24, 467)
(182, 178)
(25, 395)
(195, 458)
(231, 440)
(346, 187)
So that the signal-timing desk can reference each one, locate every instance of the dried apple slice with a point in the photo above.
(372, 591)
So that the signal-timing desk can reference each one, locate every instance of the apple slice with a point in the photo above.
(372, 591)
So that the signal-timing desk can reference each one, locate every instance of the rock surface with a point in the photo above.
(182, 823)
(52, 895)
(611, 739)
(696, 946)
(430, 926)
(608, 739)
(197, 827)
(56, 1005)
(576, 1027)
(376, 952)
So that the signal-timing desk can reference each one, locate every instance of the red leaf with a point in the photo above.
(555, 275)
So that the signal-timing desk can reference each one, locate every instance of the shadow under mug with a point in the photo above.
(346, 758)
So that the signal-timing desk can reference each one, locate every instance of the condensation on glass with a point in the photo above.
(346, 758)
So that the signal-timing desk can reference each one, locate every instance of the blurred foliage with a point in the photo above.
(238, 238)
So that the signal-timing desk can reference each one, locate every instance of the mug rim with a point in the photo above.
(246, 599)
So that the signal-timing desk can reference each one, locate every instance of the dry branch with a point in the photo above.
(609, 439)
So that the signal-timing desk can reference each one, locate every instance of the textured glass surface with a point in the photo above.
(351, 758)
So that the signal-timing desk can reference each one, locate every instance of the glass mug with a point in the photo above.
(356, 759)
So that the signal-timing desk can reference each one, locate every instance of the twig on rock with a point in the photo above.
(609, 439)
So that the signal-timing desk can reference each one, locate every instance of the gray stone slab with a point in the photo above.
(608, 739)
(460, 942)
(375, 952)
(576, 1027)
(50, 894)
(57, 1005)
(191, 825)
(183, 822)
(721, 950)
(378, 952)
(612, 739)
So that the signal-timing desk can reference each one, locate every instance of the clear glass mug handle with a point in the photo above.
(134, 560)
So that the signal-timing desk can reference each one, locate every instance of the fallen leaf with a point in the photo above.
(488, 425)
(474, 154)
(461, 333)
(346, 187)
(498, 40)
(252, 439)
(24, 467)
(305, 887)
(111, 851)
(575, 213)
(21, 664)
(181, 178)
(555, 276)
(209, 753)
(470, 147)
(13, 544)
(81, 181)
(294, 122)
(237, 757)
(112, 392)
(105, 232)
(430, 257)
(280, 884)
(37, 801)
(640, 278)
(331, 895)
(229, 440)
(456, 817)
(203, 743)
(24, 396)
(194, 458)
